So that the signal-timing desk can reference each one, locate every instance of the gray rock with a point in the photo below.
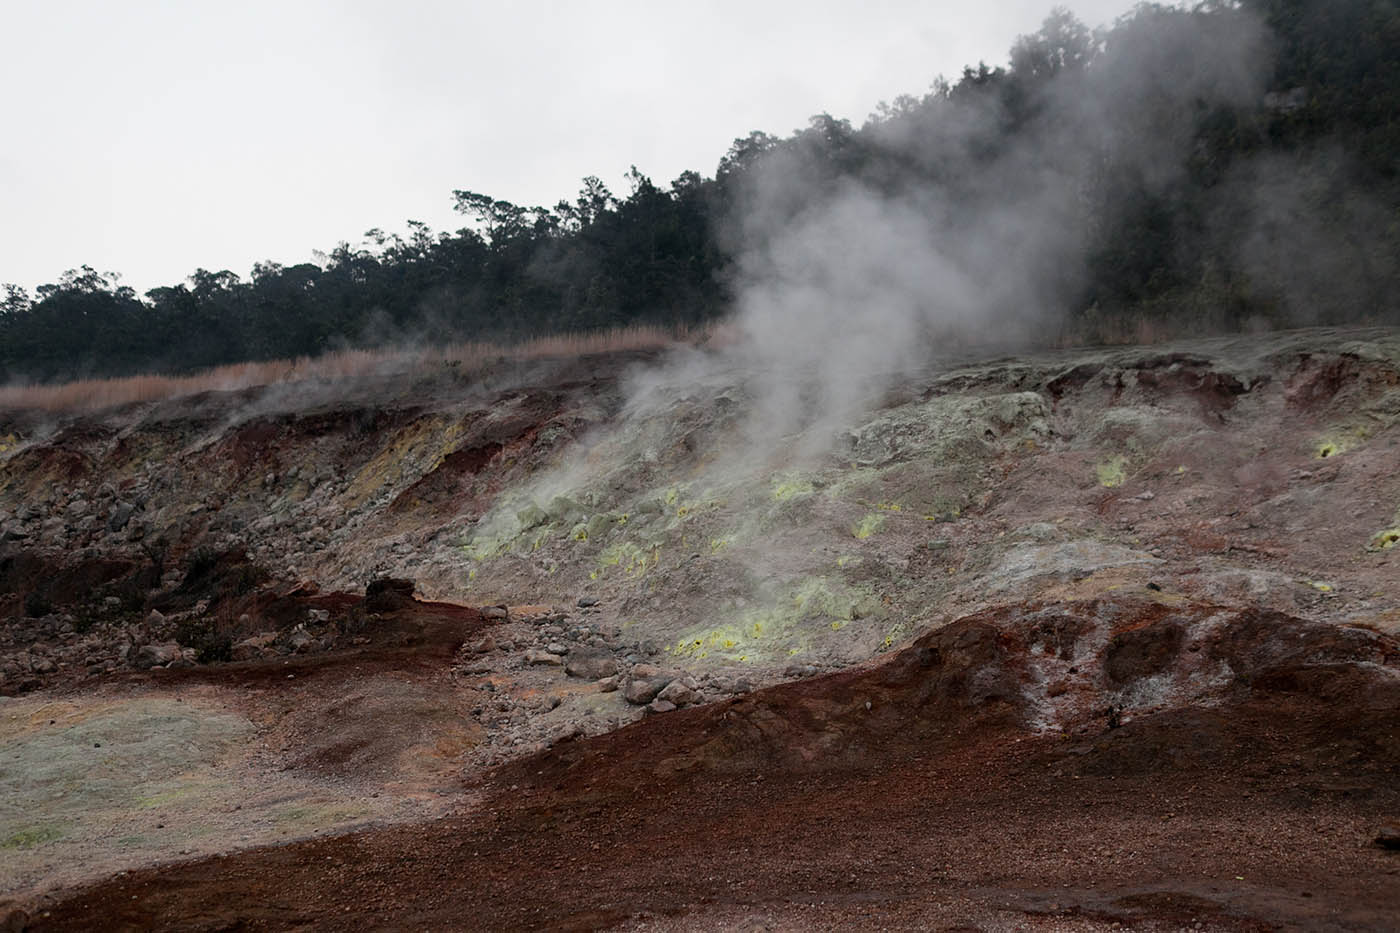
(587, 602)
(318, 615)
(157, 655)
(1069, 560)
(677, 693)
(591, 664)
(543, 658)
(496, 613)
(660, 706)
(120, 516)
(255, 647)
(555, 647)
(645, 683)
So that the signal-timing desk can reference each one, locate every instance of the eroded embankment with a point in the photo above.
(1129, 539)
(1252, 471)
(178, 760)
(1202, 766)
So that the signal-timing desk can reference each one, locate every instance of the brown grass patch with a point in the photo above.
(90, 395)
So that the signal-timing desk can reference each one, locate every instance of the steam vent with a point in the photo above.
(978, 517)
(1090, 637)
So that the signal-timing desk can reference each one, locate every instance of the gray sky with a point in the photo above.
(151, 137)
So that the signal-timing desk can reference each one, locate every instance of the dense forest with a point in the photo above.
(1228, 165)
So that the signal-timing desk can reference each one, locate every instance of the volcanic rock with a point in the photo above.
(590, 664)
(157, 655)
(386, 594)
(120, 516)
(679, 694)
(645, 683)
(543, 658)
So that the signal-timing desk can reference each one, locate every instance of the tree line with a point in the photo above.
(1159, 242)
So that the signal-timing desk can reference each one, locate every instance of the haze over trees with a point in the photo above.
(1234, 164)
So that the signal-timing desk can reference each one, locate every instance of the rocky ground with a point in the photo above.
(1062, 642)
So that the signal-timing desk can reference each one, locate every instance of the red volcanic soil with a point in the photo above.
(1074, 766)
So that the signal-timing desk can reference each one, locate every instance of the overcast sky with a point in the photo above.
(151, 137)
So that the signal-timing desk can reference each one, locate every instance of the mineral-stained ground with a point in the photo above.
(1062, 641)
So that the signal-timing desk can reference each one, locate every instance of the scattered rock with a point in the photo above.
(254, 647)
(496, 613)
(645, 683)
(591, 664)
(120, 516)
(660, 706)
(678, 694)
(544, 658)
(157, 655)
(300, 640)
(587, 602)
(386, 594)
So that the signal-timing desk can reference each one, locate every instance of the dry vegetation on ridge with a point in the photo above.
(91, 395)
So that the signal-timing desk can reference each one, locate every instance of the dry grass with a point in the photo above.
(90, 395)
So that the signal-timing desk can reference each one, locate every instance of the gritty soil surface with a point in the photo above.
(908, 795)
(1097, 639)
(154, 765)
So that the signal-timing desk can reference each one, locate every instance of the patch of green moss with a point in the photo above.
(31, 837)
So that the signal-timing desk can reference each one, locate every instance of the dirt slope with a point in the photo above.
(1247, 803)
(1061, 641)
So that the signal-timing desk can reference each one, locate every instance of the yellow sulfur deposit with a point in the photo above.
(1113, 471)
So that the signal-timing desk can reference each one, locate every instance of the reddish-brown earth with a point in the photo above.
(924, 792)
(1085, 640)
